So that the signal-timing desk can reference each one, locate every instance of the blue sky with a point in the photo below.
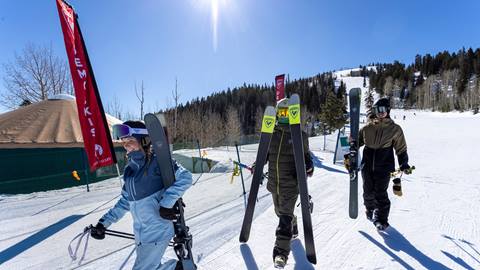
(158, 40)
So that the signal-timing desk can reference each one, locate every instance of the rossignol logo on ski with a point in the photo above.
(294, 114)
(268, 124)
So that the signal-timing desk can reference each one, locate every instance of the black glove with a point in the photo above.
(346, 161)
(309, 172)
(405, 168)
(168, 213)
(98, 231)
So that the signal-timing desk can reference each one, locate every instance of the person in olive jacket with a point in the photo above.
(380, 136)
(282, 181)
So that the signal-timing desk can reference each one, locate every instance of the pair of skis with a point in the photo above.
(268, 124)
(182, 241)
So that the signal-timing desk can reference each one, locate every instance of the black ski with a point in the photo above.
(297, 141)
(182, 241)
(354, 99)
(268, 124)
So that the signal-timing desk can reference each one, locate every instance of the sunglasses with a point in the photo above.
(122, 131)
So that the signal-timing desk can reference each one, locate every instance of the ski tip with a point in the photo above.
(354, 91)
(353, 215)
(270, 111)
(312, 259)
(148, 116)
(294, 99)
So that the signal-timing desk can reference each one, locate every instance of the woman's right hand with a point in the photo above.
(98, 231)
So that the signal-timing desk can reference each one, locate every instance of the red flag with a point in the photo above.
(96, 135)
(280, 86)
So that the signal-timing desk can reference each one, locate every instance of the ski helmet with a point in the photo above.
(382, 105)
(282, 111)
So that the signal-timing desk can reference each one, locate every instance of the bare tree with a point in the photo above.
(115, 108)
(33, 76)
(233, 130)
(140, 97)
(176, 99)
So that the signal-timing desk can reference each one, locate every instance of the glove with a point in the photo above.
(405, 168)
(168, 213)
(252, 168)
(310, 172)
(397, 187)
(98, 231)
(346, 161)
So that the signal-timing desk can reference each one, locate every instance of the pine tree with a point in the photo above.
(333, 113)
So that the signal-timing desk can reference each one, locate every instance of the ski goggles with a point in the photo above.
(121, 131)
(380, 109)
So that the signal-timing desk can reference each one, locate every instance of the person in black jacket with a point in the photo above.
(380, 137)
(282, 181)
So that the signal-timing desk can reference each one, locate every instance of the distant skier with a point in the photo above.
(380, 136)
(282, 182)
(144, 196)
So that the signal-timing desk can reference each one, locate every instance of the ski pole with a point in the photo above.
(119, 235)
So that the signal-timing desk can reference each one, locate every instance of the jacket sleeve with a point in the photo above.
(400, 146)
(183, 180)
(306, 152)
(361, 141)
(117, 212)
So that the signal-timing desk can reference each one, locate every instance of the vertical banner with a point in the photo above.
(96, 135)
(280, 86)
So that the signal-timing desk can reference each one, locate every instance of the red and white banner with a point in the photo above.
(96, 135)
(280, 86)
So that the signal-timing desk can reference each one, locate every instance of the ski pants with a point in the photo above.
(284, 204)
(375, 195)
(149, 257)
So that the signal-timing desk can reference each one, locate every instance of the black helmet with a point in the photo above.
(382, 105)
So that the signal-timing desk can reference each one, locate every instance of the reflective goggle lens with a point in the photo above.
(380, 109)
(120, 131)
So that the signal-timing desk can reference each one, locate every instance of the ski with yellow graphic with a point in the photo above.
(299, 155)
(268, 124)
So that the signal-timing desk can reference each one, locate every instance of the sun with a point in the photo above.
(214, 7)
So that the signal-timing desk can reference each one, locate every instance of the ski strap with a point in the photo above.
(80, 236)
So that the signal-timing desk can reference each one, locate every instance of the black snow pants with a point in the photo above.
(375, 195)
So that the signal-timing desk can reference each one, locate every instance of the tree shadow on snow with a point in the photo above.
(247, 255)
(318, 163)
(36, 238)
(462, 248)
(458, 260)
(396, 241)
(298, 252)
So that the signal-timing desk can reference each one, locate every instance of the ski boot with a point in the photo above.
(279, 261)
(280, 257)
(381, 226)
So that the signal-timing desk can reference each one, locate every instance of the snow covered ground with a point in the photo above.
(435, 224)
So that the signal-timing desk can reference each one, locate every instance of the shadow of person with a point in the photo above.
(386, 250)
(37, 238)
(298, 252)
(247, 255)
(396, 241)
(318, 163)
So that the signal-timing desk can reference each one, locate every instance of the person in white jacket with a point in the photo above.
(144, 195)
